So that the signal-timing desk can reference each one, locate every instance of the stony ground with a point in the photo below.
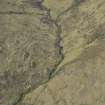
(52, 52)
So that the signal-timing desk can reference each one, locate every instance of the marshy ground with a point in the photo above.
(52, 52)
